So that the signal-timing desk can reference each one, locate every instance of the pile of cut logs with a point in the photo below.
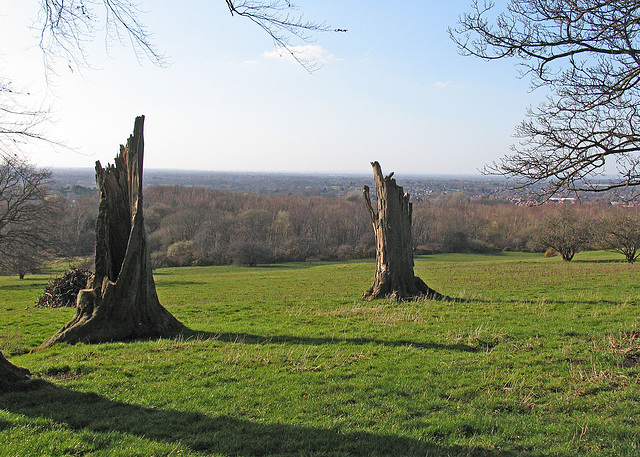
(63, 291)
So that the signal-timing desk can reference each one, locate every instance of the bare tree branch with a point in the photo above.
(587, 53)
(20, 123)
(279, 18)
(67, 26)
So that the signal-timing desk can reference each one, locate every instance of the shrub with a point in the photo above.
(249, 254)
(181, 253)
(292, 254)
(159, 260)
(346, 252)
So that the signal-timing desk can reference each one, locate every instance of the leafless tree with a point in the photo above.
(26, 216)
(621, 233)
(566, 231)
(587, 54)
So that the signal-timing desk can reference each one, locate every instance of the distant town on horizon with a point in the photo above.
(420, 187)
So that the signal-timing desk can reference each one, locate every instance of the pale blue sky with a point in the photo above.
(393, 89)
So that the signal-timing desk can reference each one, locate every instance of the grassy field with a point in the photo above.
(286, 360)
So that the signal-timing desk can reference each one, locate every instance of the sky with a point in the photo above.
(393, 89)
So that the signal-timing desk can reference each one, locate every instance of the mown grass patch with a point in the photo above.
(286, 360)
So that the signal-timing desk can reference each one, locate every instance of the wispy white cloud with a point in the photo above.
(448, 85)
(310, 52)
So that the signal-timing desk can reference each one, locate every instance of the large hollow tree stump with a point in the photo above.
(120, 302)
(394, 250)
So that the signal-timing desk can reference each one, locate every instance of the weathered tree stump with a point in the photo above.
(120, 302)
(394, 250)
(11, 376)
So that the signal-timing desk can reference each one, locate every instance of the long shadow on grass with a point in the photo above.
(553, 301)
(223, 435)
(248, 338)
(27, 285)
(600, 261)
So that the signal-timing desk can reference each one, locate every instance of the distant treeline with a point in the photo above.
(200, 226)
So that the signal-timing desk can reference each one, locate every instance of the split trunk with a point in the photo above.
(394, 249)
(120, 302)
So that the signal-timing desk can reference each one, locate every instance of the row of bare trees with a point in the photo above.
(445, 225)
(215, 227)
(199, 226)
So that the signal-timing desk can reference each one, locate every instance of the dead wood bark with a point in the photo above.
(394, 250)
(11, 376)
(120, 302)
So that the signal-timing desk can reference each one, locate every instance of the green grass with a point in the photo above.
(286, 360)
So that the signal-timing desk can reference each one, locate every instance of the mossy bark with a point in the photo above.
(394, 276)
(120, 302)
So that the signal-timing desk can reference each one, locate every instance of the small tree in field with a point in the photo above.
(621, 233)
(566, 232)
(26, 216)
(26, 260)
